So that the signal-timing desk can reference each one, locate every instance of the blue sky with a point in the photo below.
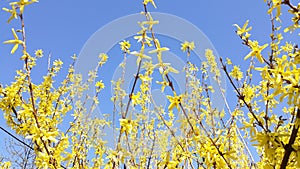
(63, 27)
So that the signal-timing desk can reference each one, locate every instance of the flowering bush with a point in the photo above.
(147, 136)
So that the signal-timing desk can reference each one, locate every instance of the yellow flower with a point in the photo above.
(211, 60)
(143, 37)
(228, 61)
(277, 5)
(15, 41)
(248, 92)
(165, 68)
(22, 3)
(148, 66)
(39, 53)
(127, 125)
(125, 45)
(288, 47)
(100, 85)
(163, 85)
(256, 50)
(174, 101)
(58, 63)
(244, 29)
(236, 73)
(74, 57)
(147, 1)
(5, 165)
(151, 22)
(167, 162)
(144, 78)
(12, 11)
(159, 51)
(135, 98)
(103, 59)
(140, 56)
(187, 46)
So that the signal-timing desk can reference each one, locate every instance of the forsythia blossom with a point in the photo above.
(39, 53)
(13, 12)
(256, 50)
(127, 125)
(152, 2)
(22, 3)
(187, 46)
(244, 29)
(103, 59)
(125, 45)
(15, 41)
(174, 101)
(100, 85)
(236, 73)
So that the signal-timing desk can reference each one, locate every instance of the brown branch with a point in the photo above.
(152, 149)
(289, 147)
(242, 97)
(132, 89)
(288, 3)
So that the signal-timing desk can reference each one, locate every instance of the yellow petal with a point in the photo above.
(249, 55)
(14, 33)
(14, 49)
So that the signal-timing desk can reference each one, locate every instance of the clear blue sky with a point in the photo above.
(63, 26)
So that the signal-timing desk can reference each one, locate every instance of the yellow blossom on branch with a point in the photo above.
(135, 98)
(140, 56)
(13, 13)
(163, 84)
(256, 50)
(211, 60)
(103, 59)
(236, 73)
(277, 5)
(125, 45)
(5, 165)
(174, 101)
(15, 41)
(228, 61)
(99, 85)
(39, 53)
(152, 2)
(159, 50)
(188, 46)
(22, 3)
(145, 78)
(127, 125)
(244, 29)
(150, 23)
(58, 63)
